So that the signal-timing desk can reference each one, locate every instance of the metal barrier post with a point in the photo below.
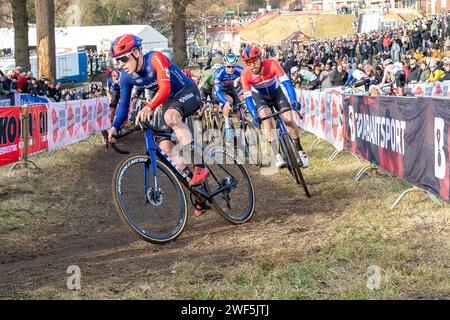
(316, 143)
(24, 161)
(416, 189)
(334, 155)
(366, 169)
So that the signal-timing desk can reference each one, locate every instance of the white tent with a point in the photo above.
(71, 38)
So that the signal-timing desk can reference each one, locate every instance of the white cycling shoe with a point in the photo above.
(279, 161)
(304, 158)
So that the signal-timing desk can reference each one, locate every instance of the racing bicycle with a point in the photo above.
(148, 191)
(288, 149)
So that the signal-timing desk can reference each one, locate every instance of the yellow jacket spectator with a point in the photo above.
(436, 74)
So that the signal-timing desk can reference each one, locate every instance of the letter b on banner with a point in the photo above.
(439, 154)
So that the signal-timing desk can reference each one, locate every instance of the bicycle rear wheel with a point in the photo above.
(293, 161)
(157, 216)
(230, 186)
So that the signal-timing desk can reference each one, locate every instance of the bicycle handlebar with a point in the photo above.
(273, 115)
(142, 126)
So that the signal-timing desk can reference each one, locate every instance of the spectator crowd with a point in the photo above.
(19, 81)
(419, 47)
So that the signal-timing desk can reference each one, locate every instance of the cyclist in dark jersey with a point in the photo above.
(177, 94)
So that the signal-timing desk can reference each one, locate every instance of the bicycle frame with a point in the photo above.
(155, 152)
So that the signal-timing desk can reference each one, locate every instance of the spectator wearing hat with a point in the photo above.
(436, 74)
(414, 72)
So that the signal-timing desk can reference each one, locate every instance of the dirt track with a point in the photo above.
(88, 233)
(69, 220)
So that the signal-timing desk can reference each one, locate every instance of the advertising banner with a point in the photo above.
(322, 115)
(73, 121)
(9, 135)
(38, 129)
(21, 98)
(408, 137)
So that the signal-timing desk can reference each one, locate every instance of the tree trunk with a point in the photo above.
(20, 22)
(45, 28)
(179, 32)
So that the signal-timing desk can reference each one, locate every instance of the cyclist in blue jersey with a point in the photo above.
(113, 92)
(176, 93)
(225, 91)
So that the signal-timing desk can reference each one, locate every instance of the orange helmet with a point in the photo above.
(251, 52)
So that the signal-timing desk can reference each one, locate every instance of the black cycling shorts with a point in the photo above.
(186, 102)
(115, 97)
(277, 100)
(362, 82)
(400, 78)
(230, 92)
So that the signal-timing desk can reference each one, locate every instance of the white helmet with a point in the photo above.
(386, 62)
(294, 69)
(216, 66)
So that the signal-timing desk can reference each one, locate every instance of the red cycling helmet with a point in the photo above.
(187, 73)
(124, 44)
(251, 52)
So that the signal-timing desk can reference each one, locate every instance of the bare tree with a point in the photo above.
(179, 32)
(45, 25)
(20, 22)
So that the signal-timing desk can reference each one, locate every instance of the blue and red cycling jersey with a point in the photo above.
(223, 81)
(265, 84)
(158, 74)
(111, 85)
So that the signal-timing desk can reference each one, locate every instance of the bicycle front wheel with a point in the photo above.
(229, 185)
(293, 162)
(156, 214)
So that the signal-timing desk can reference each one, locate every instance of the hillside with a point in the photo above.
(275, 28)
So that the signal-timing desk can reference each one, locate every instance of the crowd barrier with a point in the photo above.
(406, 137)
(434, 89)
(28, 130)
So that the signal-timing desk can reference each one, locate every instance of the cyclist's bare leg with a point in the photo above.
(175, 121)
(269, 129)
(292, 128)
(167, 146)
(112, 114)
(227, 111)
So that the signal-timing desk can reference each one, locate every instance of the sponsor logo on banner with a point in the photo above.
(70, 121)
(99, 114)
(411, 143)
(9, 135)
(55, 122)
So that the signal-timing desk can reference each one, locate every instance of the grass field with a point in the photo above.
(295, 248)
(275, 30)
